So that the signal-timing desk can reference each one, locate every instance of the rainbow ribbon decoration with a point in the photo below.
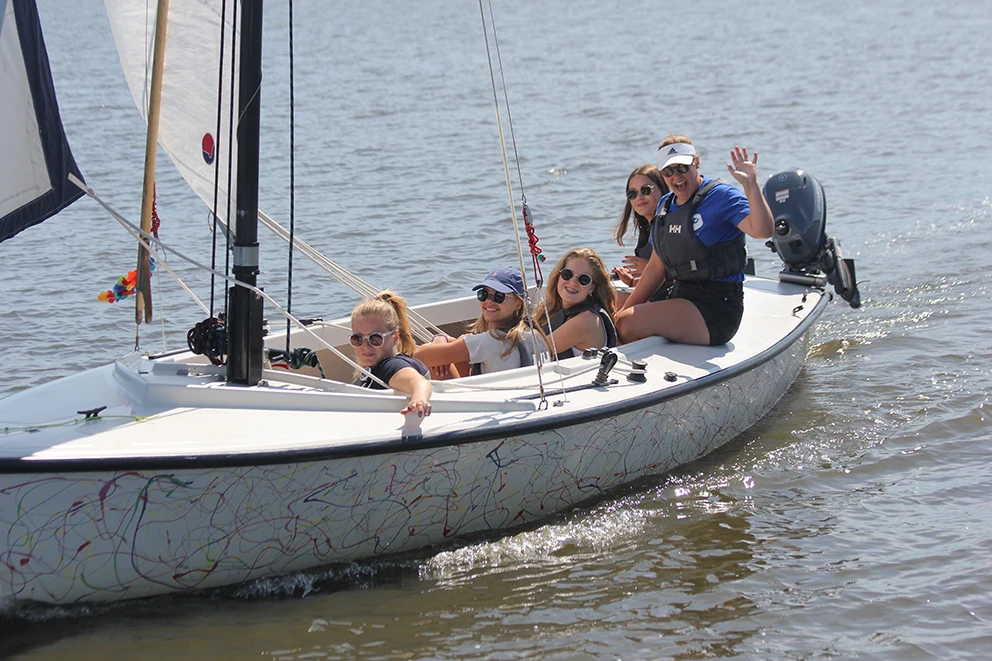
(124, 287)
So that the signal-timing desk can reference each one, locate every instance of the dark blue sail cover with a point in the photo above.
(37, 160)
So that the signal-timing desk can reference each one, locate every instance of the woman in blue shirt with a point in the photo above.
(698, 239)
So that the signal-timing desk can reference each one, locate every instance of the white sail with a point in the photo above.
(34, 154)
(192, 90)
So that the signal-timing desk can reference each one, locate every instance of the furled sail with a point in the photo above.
(35, 158)
(200, 64)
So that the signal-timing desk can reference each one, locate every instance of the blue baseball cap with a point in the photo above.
(505, 279)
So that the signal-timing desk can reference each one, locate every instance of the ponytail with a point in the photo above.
(391, 308)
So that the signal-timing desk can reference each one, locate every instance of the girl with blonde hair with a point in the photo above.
(384, 346)
(500, 339)
(580, 302)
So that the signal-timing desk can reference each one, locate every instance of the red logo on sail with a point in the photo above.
(208, 148)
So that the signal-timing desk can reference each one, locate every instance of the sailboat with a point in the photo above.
(180, 471)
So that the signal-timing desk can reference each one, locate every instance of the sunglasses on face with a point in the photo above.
(681, 168)
(484, 295)
(374, 339)
(584, 279)
(645, 190)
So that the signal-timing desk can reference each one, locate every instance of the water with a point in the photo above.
(853, 522)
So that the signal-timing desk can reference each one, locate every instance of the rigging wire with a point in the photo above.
(139, 234)
(233, 85)
(217, 148)
(532, 237)
(292, 178)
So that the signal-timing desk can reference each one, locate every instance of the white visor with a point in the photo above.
(679, 152)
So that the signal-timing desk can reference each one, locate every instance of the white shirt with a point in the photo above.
(485, 349)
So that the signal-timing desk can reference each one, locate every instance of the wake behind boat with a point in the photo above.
(166, 473)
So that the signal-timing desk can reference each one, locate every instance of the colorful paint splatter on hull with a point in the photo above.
(109, 536)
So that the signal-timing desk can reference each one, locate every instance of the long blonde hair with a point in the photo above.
(390, 308)
(603, 292)
(512, 336)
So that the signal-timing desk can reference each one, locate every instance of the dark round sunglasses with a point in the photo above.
(584, 279)
(374, 339)
(645, 190)
(681, 168)
(484, 295)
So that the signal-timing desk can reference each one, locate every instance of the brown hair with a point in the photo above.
(643, 224)
(389, 307)
(603, 292)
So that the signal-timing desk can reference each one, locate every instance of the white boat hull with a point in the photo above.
(112, 516)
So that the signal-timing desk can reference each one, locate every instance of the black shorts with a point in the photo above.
(720, 303)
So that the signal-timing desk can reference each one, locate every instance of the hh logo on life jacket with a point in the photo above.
(674, 229)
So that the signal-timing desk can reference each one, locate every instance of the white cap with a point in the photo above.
(678, 152)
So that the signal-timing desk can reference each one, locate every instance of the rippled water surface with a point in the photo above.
(853, 522)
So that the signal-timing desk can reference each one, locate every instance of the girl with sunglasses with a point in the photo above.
(698, 239)
(500, 339)
(580, 303)
(383, 345)
(645, 188)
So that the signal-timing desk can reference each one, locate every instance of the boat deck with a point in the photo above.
(179, 409)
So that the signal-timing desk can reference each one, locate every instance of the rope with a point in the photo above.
(139, 234)
(156, 221)
(421, 327)
(531, 236)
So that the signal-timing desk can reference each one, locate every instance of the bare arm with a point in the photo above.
(758, 224)
(442, 353)
(410, 382)
(583, 331)
(651, 279)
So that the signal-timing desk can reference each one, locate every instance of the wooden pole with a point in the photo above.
(143, 291)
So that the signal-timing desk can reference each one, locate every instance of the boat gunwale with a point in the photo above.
(24, 465)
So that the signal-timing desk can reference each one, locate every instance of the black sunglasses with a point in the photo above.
(646, 190)
(374, 339)
(584, 279)
(484, 294)
(681, 168)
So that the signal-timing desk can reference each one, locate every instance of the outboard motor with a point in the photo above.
(800, 212)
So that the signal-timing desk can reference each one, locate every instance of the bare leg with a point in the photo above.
(675, 319)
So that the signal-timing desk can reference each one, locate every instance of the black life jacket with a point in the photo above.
(564, 315)
(643, 249)
(684, 255)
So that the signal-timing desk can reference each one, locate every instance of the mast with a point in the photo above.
(143, 291)
(244, 363)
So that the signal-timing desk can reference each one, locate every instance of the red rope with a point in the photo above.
(156, 221)
(535, 251)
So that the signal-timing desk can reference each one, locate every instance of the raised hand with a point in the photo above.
(742, 168)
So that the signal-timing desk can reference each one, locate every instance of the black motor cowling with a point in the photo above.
(799, 209)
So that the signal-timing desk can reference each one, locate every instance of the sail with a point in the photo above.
(35, 158)
(197, 139)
